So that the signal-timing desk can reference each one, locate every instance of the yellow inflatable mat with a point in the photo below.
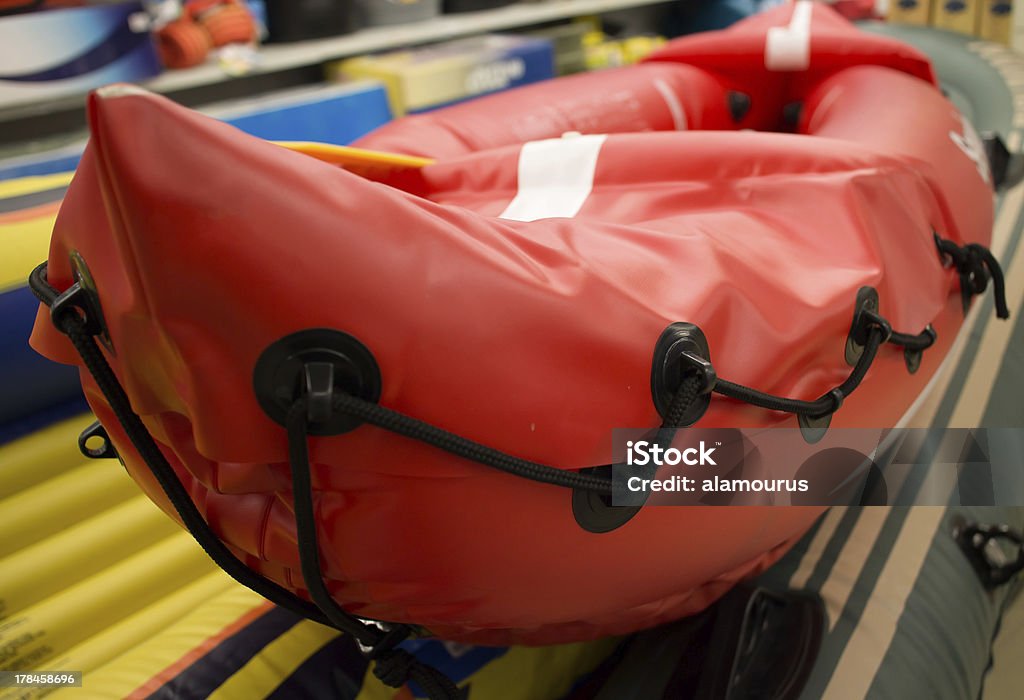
(95, 578)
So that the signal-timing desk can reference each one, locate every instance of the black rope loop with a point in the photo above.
(822, 406)
(916, 343)
(976, 265)
(393, 668)
(396, 667)
(40, 287)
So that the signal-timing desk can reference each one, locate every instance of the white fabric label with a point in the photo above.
(555, 177)
(789, 48)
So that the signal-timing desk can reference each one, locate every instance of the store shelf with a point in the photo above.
(284, 65)
(279, 57)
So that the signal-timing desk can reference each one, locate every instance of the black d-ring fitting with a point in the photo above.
(694, 364)
(912, 358)
(76, 301)
(813, 428)
(316, 363)
(974, 540)
(319, 389)
(594, 512)
(681, 349)
(865, 316)
(96, 431)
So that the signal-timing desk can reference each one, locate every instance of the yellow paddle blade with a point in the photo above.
(361, 161)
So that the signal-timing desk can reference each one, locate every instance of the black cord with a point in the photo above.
(998, 282)
(915, 343)
(976, 265)
(305, 526)
(393, 667)
(72, 325)
(687, 393)
(413, 428)
(822, 406)
(397, 666)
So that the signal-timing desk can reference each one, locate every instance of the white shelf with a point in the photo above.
(279, 57)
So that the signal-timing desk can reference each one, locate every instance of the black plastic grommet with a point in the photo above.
(319, 380)
(813, 429)
(791, 114)
(93, 311)
(865, 310)
(681, 348)
(295, 364)
(739, 105)
(75, 300)
(594, 512)
(94, 431)
(912, 358)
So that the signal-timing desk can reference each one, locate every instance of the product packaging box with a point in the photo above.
(433, 76)
(957, 15)
(912, 11)
(567, 43)
(996, 22)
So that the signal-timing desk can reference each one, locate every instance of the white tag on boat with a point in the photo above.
(789, 48)
(555, 177)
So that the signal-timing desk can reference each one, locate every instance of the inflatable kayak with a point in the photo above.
(387, 392)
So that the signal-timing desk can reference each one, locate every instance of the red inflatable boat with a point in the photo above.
(791, 200)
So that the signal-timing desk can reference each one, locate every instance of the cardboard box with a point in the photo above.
(434, 76)
(567, 43)
(911, 11)
(957, 15)
(996, 23)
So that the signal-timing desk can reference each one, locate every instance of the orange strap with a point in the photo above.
(361, 161)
